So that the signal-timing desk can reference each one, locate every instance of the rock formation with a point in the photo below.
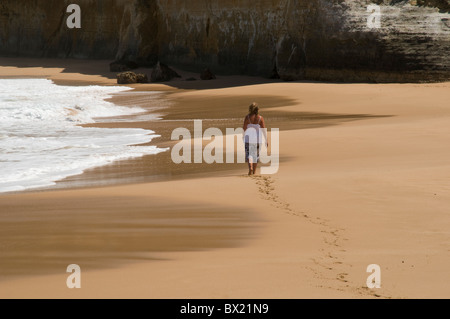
(126, 78)
(292, 39)
(141, 78)
(207, 75)
(162, 73)
(131, 78)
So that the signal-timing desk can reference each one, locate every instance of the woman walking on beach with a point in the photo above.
(252, 127)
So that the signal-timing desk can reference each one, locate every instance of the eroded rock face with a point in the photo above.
(122, 66)
(123, 30)
(310, 39)
(296, 39)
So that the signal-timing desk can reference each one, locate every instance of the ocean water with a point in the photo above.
(41, 140)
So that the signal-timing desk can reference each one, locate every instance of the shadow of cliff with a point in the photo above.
(101, 68)
(192, 81)
(44, 237)
(85, 67)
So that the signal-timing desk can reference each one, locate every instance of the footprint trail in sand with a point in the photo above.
(329, 266)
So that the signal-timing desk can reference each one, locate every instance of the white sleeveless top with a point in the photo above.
(252, 135)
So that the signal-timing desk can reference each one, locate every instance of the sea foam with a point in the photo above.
(41, 140)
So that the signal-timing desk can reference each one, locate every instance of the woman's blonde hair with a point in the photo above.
(253, 109)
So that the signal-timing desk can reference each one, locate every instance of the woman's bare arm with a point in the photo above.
(246, 122)
(263, 123)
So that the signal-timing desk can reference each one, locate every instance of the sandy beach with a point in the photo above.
(364, 179)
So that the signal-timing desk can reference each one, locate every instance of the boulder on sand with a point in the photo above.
(162, 73)
(127, 78)
(207, 75)
(141, 78)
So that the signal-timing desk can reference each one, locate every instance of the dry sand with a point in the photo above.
(364, 179)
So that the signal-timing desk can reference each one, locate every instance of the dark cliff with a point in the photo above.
(301, 39)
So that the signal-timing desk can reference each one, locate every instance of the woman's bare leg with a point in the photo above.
(255, 166)
(250, 168)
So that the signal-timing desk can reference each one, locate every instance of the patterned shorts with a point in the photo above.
(251, 153)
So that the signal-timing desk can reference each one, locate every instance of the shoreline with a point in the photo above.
(362, 181)
(169, 119)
